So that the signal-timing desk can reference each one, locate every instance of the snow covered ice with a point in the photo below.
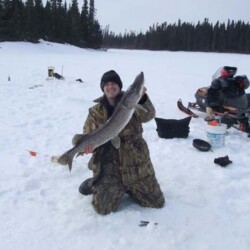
(207, 206)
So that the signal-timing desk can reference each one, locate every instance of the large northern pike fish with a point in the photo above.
(119, 119)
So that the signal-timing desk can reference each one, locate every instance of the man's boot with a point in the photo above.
(86, 188)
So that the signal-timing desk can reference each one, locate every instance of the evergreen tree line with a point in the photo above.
(56, 22)
(220, 37)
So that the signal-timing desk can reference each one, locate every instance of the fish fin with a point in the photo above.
(116, 142)
(79, 138)
(76, 138)
(66, 159)
(80, 154)
(140, 107)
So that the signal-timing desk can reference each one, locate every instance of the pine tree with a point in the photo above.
(47, 22)
(38, 20)
(74, 23)
(84, 24)
(95, 34)
(29, 28)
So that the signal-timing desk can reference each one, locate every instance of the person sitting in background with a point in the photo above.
(226, 89)
(126, 168)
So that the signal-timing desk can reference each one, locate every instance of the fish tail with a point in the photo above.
(66, 159)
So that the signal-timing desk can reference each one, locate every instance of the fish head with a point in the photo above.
(134, 92)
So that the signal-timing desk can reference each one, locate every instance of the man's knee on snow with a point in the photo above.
(106, 199)
(103, 211)
(157, 203)
(104, 208)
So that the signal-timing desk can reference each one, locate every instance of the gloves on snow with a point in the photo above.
(222, 161)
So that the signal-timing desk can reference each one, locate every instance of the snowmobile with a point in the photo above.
(234, 111)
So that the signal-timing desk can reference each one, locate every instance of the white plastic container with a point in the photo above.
(51, 71)
(216, 135)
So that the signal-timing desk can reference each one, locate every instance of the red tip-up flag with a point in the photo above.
(32, 153)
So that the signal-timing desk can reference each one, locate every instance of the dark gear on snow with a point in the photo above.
(201, 145)
(171, 128)
(222, 161)
(144, 223)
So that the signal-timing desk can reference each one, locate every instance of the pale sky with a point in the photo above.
(139, 15)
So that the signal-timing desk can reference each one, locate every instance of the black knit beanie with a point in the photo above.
(110, 76)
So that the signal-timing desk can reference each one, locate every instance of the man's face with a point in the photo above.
(111, 89)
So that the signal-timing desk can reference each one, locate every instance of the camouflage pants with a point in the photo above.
(146, 193)
(110, 189)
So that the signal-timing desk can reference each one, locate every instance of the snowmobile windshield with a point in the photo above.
(225, 72)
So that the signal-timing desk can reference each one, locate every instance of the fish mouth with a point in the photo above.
(139, 83)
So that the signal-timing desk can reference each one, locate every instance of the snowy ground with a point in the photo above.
(207, 206)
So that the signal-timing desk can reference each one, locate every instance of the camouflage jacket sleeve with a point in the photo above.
(147, 112)
(90, 125)
(97, 117)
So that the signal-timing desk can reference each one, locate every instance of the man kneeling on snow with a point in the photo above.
(124, 169)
